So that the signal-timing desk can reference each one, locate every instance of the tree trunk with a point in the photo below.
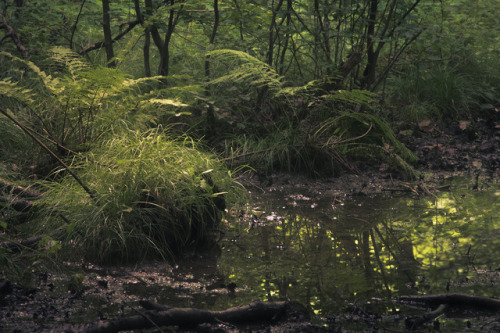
(281, 64)
(369, 72)
(108, 39)
(272, 27)
(173, 17)
(147, 38)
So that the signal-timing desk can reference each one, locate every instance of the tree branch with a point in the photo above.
(14, 36)
(98, 45)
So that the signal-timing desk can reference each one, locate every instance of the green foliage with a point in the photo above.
(288, 143)
(156, 197)
(77, 103)
(16, 147)
(247, 69)
(443, 92)
(452, 71)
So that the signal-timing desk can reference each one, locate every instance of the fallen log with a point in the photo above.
(30, 242)
(18, 190)
(190, 317)
(18, 205)
(478, 302)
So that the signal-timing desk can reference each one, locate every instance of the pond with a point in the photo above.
(344, 257)
(332, 252)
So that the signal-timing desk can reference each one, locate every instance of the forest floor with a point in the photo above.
(464, 149)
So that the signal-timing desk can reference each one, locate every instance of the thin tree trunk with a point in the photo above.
(163, 69)
(75, 25)
(323, 31)
(369, 72)
(154, 30)
(108, 39)
(210, 111)
(145, 52)
(147, 38)
(281, 64)
(236, 4)
(272, 27)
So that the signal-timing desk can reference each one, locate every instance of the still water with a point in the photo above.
(330, 252)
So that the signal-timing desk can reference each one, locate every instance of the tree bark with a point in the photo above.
(147, 39)
(369, 72)
(272, 27)
(75, 25)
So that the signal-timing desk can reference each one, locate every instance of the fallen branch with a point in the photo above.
(189, 317)
(21, 191)
(31, 243)
(18, 205)
(481, 302)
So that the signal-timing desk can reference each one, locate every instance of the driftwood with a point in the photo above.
(189, 317)
(460, 300)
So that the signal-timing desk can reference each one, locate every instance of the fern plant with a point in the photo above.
(313, 126)
(77, 104)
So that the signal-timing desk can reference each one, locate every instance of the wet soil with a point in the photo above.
(90, 293)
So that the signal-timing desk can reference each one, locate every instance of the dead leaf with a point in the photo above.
(426, 125)
(464, 124)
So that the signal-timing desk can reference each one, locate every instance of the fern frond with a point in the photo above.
(172, 102)
(69, 59)
(248, 69)
(377, 153)
(12, 90)
(49, 82)
(381, 130)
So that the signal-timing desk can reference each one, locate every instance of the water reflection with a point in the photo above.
(327, 252)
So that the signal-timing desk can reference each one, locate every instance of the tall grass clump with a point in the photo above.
(155, 197)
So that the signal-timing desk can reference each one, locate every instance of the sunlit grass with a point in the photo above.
(155, 197)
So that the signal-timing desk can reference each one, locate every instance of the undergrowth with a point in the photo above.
(301, 128)
(156, 197)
